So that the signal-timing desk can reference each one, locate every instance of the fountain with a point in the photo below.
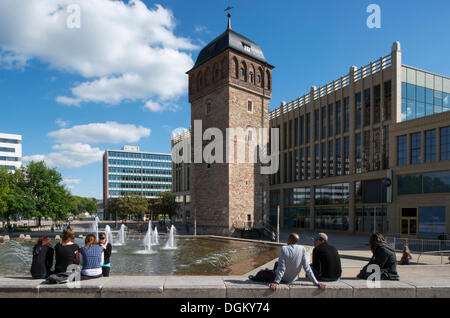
(109, 237)
(155, 237)
(94, 227)
(171, 244)
(122, 235)
(147, 241)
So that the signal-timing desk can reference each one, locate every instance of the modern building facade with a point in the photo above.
(130, 171)
(10, 151)
(367, 152)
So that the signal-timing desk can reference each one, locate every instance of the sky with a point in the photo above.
(116, 76)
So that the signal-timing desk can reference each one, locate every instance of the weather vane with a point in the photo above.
(229, 7)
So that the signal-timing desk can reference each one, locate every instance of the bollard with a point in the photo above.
(21, 237)
(57, 237)
(28, 237)
(5, 238)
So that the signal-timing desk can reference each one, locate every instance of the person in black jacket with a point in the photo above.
(65, 252)
(326, 263)
(383, 256)
(42, 259)
(107, 251)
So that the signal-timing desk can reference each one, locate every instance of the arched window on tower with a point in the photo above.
(243, 72)
(216, 73)
(207, 76)
(260, 77)
(251, 76)
(236, 67)
(268, 79)
(223, 68)
(200, 81)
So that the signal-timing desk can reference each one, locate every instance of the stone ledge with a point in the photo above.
(221, 287)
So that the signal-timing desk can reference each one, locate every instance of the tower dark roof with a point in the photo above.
(233, 40)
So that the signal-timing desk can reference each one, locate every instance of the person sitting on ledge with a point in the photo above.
(91, 258)
(65, 252)
(406, 257)
(326, 264)
(42, 259)
(290, 262)
(383, 256)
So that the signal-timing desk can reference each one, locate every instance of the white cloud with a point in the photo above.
(69, 156)
(109, 132)
(125, 51)
(155, 107)
(61, 123)
(70, 180)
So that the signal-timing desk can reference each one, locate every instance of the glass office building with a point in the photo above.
(129, 171)
(10, 151)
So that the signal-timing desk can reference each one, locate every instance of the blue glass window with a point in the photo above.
(401, 150)
(415, 148)
(445, 143)
(430, 145)
(358, 110)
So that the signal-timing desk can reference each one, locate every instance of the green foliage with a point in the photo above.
(165, 204)
(133, 205)
(79, 205)
(33, 191)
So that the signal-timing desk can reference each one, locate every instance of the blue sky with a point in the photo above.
(120, 78)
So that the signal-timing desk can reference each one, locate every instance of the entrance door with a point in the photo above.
(408, 222)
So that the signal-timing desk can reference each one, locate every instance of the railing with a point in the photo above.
(363, 72)
(421, 246)
(176, 139)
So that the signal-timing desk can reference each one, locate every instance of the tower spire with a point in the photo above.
(229, 20)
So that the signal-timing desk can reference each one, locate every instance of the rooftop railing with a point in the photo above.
(177, 138)
(363, 72)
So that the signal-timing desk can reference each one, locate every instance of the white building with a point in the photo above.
(10, 151)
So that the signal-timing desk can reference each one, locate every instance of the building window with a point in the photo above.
(324, 122)
(387, 100)
(316, 126)
(285, 135)
(317, 161)
(346, 114)
(358, 110)
(259, 79)
(377, 108)
(347, 155)
(401, 150)
(367, 107)
(296, 132)
(358, 152)
(250, 77)
(331, 158)
(445, 143)
(308, 127)
(302, 161)
(415, 148)
(338, 117)
(338, 157)
(324, 159)
(330, 120)
(302, 128)
(308, 163)
(430, 145)
(250, 106)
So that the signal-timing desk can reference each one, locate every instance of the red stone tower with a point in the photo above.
(230, 86)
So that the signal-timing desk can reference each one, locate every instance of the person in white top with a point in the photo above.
(290, 262)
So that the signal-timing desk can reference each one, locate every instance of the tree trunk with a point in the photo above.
(39, 221)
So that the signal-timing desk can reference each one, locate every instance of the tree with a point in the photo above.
(4, 193)
(166, 204)
(51, 199)
(132, 205)
(80, 204)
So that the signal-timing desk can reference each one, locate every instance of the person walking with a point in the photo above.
(326, 264)
(107, 251)
(42, 262)
(290, 262)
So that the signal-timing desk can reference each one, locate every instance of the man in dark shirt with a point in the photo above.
(326, 260)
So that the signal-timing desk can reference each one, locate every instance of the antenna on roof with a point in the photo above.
(229, 14)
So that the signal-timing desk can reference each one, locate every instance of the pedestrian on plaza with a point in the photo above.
(384, 256)
(290, 262)
(273, 237)
(65, 252)
(42, 262)
(405, 260)
(326, 264)
(107, 250)
(91, 258)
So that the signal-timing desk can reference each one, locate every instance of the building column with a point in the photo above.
(351, 208)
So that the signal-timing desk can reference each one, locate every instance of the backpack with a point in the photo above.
(60, 278)
(264, 275)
